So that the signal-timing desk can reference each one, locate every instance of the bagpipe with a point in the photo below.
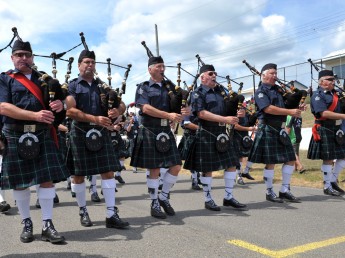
(110, 98)
(178, 96)
(51, 87)
(292, 96)
(341, 90)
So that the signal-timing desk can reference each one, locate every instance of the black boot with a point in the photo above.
(50, 234)
(27, 236)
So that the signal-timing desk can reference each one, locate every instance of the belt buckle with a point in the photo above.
(283, 125)
(221, 124)
(338, 122)
(92, 124)
(29, 128)
(164, 122)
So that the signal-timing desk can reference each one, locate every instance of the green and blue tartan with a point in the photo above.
(203, 155)
(327, 148)
(267, 148)
(145, 154)
(47, 167)
(87, 163)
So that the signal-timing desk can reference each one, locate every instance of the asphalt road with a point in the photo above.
(313, 228)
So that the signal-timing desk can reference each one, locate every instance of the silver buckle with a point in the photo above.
(283, 125)
(337, 122)
(221, 124)
(29, 128)
(164, 122)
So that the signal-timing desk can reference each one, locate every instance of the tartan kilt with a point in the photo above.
(88, 163)
(242, 152)
(184, 144)
(267, 149)
(145, 154)
(47, 167)
(327, 148)
(120, 147)
(203, 156)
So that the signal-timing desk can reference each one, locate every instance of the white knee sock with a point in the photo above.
(46, 197)
(2, 195)
(108, 187)
(268, 177)
(207, 187)
(287, 171)
(93, 184)
(338, 166)
(79, 190)
(168, 181)
(327, 171)
(152, 185)
(22, 198)
(248, 167)
(229, 179)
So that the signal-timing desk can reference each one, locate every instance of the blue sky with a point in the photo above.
(222, 32)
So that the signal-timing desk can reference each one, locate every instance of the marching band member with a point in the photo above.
(272, 145)
(212, 150)
(32, 156)
(327, 141)
(92, 149)
(155, 145)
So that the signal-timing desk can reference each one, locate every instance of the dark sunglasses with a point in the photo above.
(212, 73)
(27, 55)
(329, 79)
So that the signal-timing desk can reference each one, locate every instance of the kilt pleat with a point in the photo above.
(18, 173)
(145, 154)
(327, 148)
(203, 156)
(267, 148)
(86, 162)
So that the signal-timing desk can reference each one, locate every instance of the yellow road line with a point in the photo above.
(289, 251)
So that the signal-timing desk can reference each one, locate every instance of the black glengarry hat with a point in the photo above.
(155, 60)
(86, 54)
(268, 66)
(21, 45)
(325, 73)
(206, 68)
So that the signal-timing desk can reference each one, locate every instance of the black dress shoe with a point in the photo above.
(288, 196)
(68, 185)
(166, 207)
(336, 187)
(195, 186)
(115, 222)
(120, 179)
(272, 197)
(247, 175)
(211, 205)
(156, 211)
(26, 236)
(95, 197)
(233, 203)
(50, 234)
(38, 205)
(4, 206)
(331, 191)
(73, 194)
(56, 199)
(85, 220)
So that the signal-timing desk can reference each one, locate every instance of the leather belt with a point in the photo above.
(26, 128)
(278, 124)
(211, 124)
(328, 122)
(155, 122)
